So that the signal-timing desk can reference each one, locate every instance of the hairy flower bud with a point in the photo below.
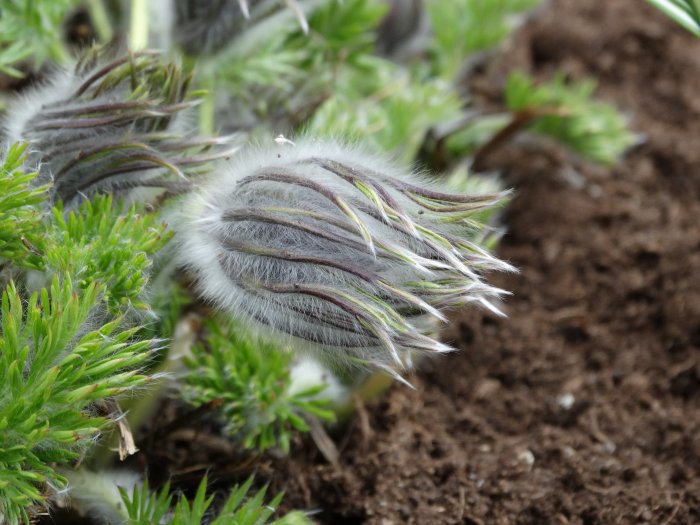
(109, 126)
(338, 250)
(204, 27)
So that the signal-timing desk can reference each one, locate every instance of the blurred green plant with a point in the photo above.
(250, 383)
(683, 12)
(569, 113)
(565, 112)
(278, 76)
(144, 507)
(466, 27)
(393, 114)
(32, 30)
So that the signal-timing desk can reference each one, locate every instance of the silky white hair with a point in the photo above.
(112, 123)
(335, 250)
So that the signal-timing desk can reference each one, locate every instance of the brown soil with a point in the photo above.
(583, 406)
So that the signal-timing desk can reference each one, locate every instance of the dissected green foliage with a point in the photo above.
(21, 219)
(32, 29)
(56, 358)
(64, 350)
(393, 117)
(145, 508)
(338, 36)
(684, 12)
(249, 381)
(570, 114)
(103, 243)
(465, 27)
(565, 112)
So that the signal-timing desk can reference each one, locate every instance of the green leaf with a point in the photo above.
(684, 12)
(570, 114)
(53, 364)
(32, 29)
(102, 243)
(465, 27)
(249, 381)
(145, 508)
(21, 220)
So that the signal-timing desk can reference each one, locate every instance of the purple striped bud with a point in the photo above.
(110, 126)
(336, 250)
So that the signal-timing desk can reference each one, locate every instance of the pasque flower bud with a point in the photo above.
(203, 27)
(109, 126)
(336, 250)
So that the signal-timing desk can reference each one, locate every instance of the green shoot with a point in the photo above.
(570, 114)
(250, 382)
(53, 365)
(466, 27)
(684, 12)
(145, 508)
(32, 30)
(393, 118)
(21, 221)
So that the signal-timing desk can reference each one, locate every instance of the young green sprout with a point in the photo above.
(110, 126)
(336, 251)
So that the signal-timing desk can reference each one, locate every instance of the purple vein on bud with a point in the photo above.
(337, 251)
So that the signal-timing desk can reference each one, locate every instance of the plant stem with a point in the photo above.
(138, 38)
(207, 108)
(100, 20)
(519, 121)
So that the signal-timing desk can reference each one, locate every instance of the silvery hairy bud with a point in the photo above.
(336, 250)
(204, 27)
(110, 126)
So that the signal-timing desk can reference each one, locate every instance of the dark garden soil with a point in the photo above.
(583, 407)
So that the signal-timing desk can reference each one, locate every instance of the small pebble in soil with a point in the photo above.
(566, 401)
(527, 458)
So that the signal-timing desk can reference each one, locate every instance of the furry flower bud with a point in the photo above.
(109, 126)
(337, 250)
(204, 27)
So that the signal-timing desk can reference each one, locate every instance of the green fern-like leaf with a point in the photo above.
(249, 380)
(394, 117)
(21, 220)
(102, 243)
(570, 114)
(240, 508)
(465, 27)
(684, 12)
(53, 364)
(32, 29)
